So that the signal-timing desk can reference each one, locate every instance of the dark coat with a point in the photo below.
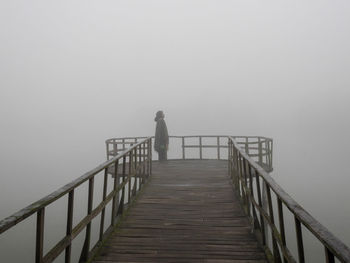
(161, 139)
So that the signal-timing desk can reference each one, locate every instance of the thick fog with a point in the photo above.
(74, 73)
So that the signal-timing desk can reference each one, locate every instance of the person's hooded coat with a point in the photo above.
(161, 139)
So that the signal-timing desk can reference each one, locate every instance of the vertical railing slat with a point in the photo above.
(247, 145)
(240, 176)
(236, 170)
(135, 172)
(247, 197)
(271, 155)
(140, 166)
(107, 149)
(229, 158)
(86, 248)
(115, 197)
(276, 253)
(218, 146)
(150, 155)
(122, 199)
(329, 256)
(129, 176)
(69, 225)
(260, 151)
(183, 148)
(40, 235)
(281, 223)
(300, 244)
(262, 221)
(144, 163)
(115, 149)
(252, 196)
(104, 194)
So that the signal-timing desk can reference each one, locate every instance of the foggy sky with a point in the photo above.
(74, 73)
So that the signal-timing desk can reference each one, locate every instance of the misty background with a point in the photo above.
(74, 73)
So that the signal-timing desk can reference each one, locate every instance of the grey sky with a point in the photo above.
(73, 73)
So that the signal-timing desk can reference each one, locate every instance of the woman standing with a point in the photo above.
(161, 140)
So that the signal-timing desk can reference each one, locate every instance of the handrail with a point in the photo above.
(243, 169)
(257, 147)
(135, 161)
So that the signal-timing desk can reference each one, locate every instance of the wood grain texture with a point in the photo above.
(188, 212)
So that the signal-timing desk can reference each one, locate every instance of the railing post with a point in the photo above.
(200, 148)
(235, 163)
(247, 145)
(265, 206)
(40, 236)
(183, 148)
(69, 225)
(115, 149)
(104, 194)
(252, 196)
(329, 256)
(246, 195)
(229, 158)
(281, 221)
(218, 146)
(107, 149)
(115, 197)
(260, 151)
(276, 253)
(271, 155)
(299, 240)
(143, 162)
(150, 155)
(135, 172)
(121, 204)
(140, 168)
(267, 153)
(86, 248)
(262, 221)
(240, 175)
(129, 176)
(147, 172)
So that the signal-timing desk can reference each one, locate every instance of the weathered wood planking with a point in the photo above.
(187, 213)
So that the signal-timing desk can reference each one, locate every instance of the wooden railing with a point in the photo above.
(131, 167)
(257, 147)
(249, 180)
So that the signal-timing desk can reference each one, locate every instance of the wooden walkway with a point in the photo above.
(188, 212)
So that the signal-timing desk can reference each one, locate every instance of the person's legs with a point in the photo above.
(159, 155)
(162, 155)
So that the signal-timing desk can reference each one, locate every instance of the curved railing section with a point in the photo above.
(131, 169)
(257, 147)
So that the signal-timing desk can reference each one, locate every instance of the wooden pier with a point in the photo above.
(188, 212)
(223, 207)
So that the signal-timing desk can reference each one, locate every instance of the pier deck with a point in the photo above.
(188, 212)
